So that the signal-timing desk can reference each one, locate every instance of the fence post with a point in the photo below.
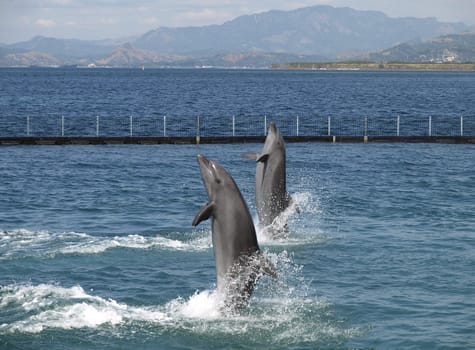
(131, 131)
(430, 125)
(265, 125)
(97, 125)
(62, 125)
(329, 125)
(397, 125)
(198, 130)
(27, 125)
(234, 126)
(164, 126)
(365, 131)
(297, 125)
(461, 125)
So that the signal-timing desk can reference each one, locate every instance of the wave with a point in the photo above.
(26, 243)
(296, 225)
(299, 222)
(282, 311)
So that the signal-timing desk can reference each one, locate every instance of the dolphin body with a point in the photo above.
(239, 261)
(271, 193)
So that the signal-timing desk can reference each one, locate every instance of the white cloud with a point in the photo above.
(108, 21)
(45, 23)
(150, 21)
(202, 17)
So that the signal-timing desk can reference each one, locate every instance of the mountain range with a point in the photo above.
(318, 33)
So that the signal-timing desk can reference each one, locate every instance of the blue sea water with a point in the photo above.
(82, 96)
(97, 249)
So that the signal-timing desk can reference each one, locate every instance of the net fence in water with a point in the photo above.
(237, 125)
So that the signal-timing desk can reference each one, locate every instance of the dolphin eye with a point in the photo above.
(218, 181)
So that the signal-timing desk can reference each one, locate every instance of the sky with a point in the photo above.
(20, 20)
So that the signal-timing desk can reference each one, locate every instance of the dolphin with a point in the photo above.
(239, 261)
(271, 193)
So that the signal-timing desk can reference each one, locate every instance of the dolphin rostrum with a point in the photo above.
(271, 193)
(239, 262)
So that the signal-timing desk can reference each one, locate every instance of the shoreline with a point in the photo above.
(345, 66)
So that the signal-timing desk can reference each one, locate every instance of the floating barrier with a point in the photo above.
(195, 130)
(149, 140)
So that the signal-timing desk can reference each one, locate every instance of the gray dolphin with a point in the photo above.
(271, 193)
(239, 262)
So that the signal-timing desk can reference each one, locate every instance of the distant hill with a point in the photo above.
(448, 48)
(312, 33)
(65, 49)
(22, 58)
(318, 30)
(129, 56)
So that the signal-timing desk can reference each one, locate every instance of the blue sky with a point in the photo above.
(100, 19)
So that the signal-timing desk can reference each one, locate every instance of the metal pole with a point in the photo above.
(397, 125)
(365, 126)
(234, 126)
(198, 130)
(297, 125)
(461, 125)
(265, 125)
(329, 125)
(164, 126)
(97, 125)
(430, 125)
(62, 125)
(131, 126)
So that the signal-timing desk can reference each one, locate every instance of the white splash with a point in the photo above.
(67, 308)
(204, 305)
(23, 243)
(282, 311)
(286, 229)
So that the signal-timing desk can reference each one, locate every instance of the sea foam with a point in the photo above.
(282, 311)
(27, 243)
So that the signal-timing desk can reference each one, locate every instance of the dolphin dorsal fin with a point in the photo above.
(262, 157)
(204, 213)
(250, 155)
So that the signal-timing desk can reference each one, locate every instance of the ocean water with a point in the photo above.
(49, 102)
(97, 250)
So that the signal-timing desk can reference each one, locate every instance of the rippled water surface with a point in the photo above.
(97, 249)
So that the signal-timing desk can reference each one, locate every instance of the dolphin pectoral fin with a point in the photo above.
(203, 214)
(262, 157)
(250, 155)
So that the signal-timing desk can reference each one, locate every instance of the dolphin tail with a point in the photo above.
(250, 155)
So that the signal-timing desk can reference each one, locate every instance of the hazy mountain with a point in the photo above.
(319, 32)
(448, 48)
(129, 56)
(28, 58)
(66, 48)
